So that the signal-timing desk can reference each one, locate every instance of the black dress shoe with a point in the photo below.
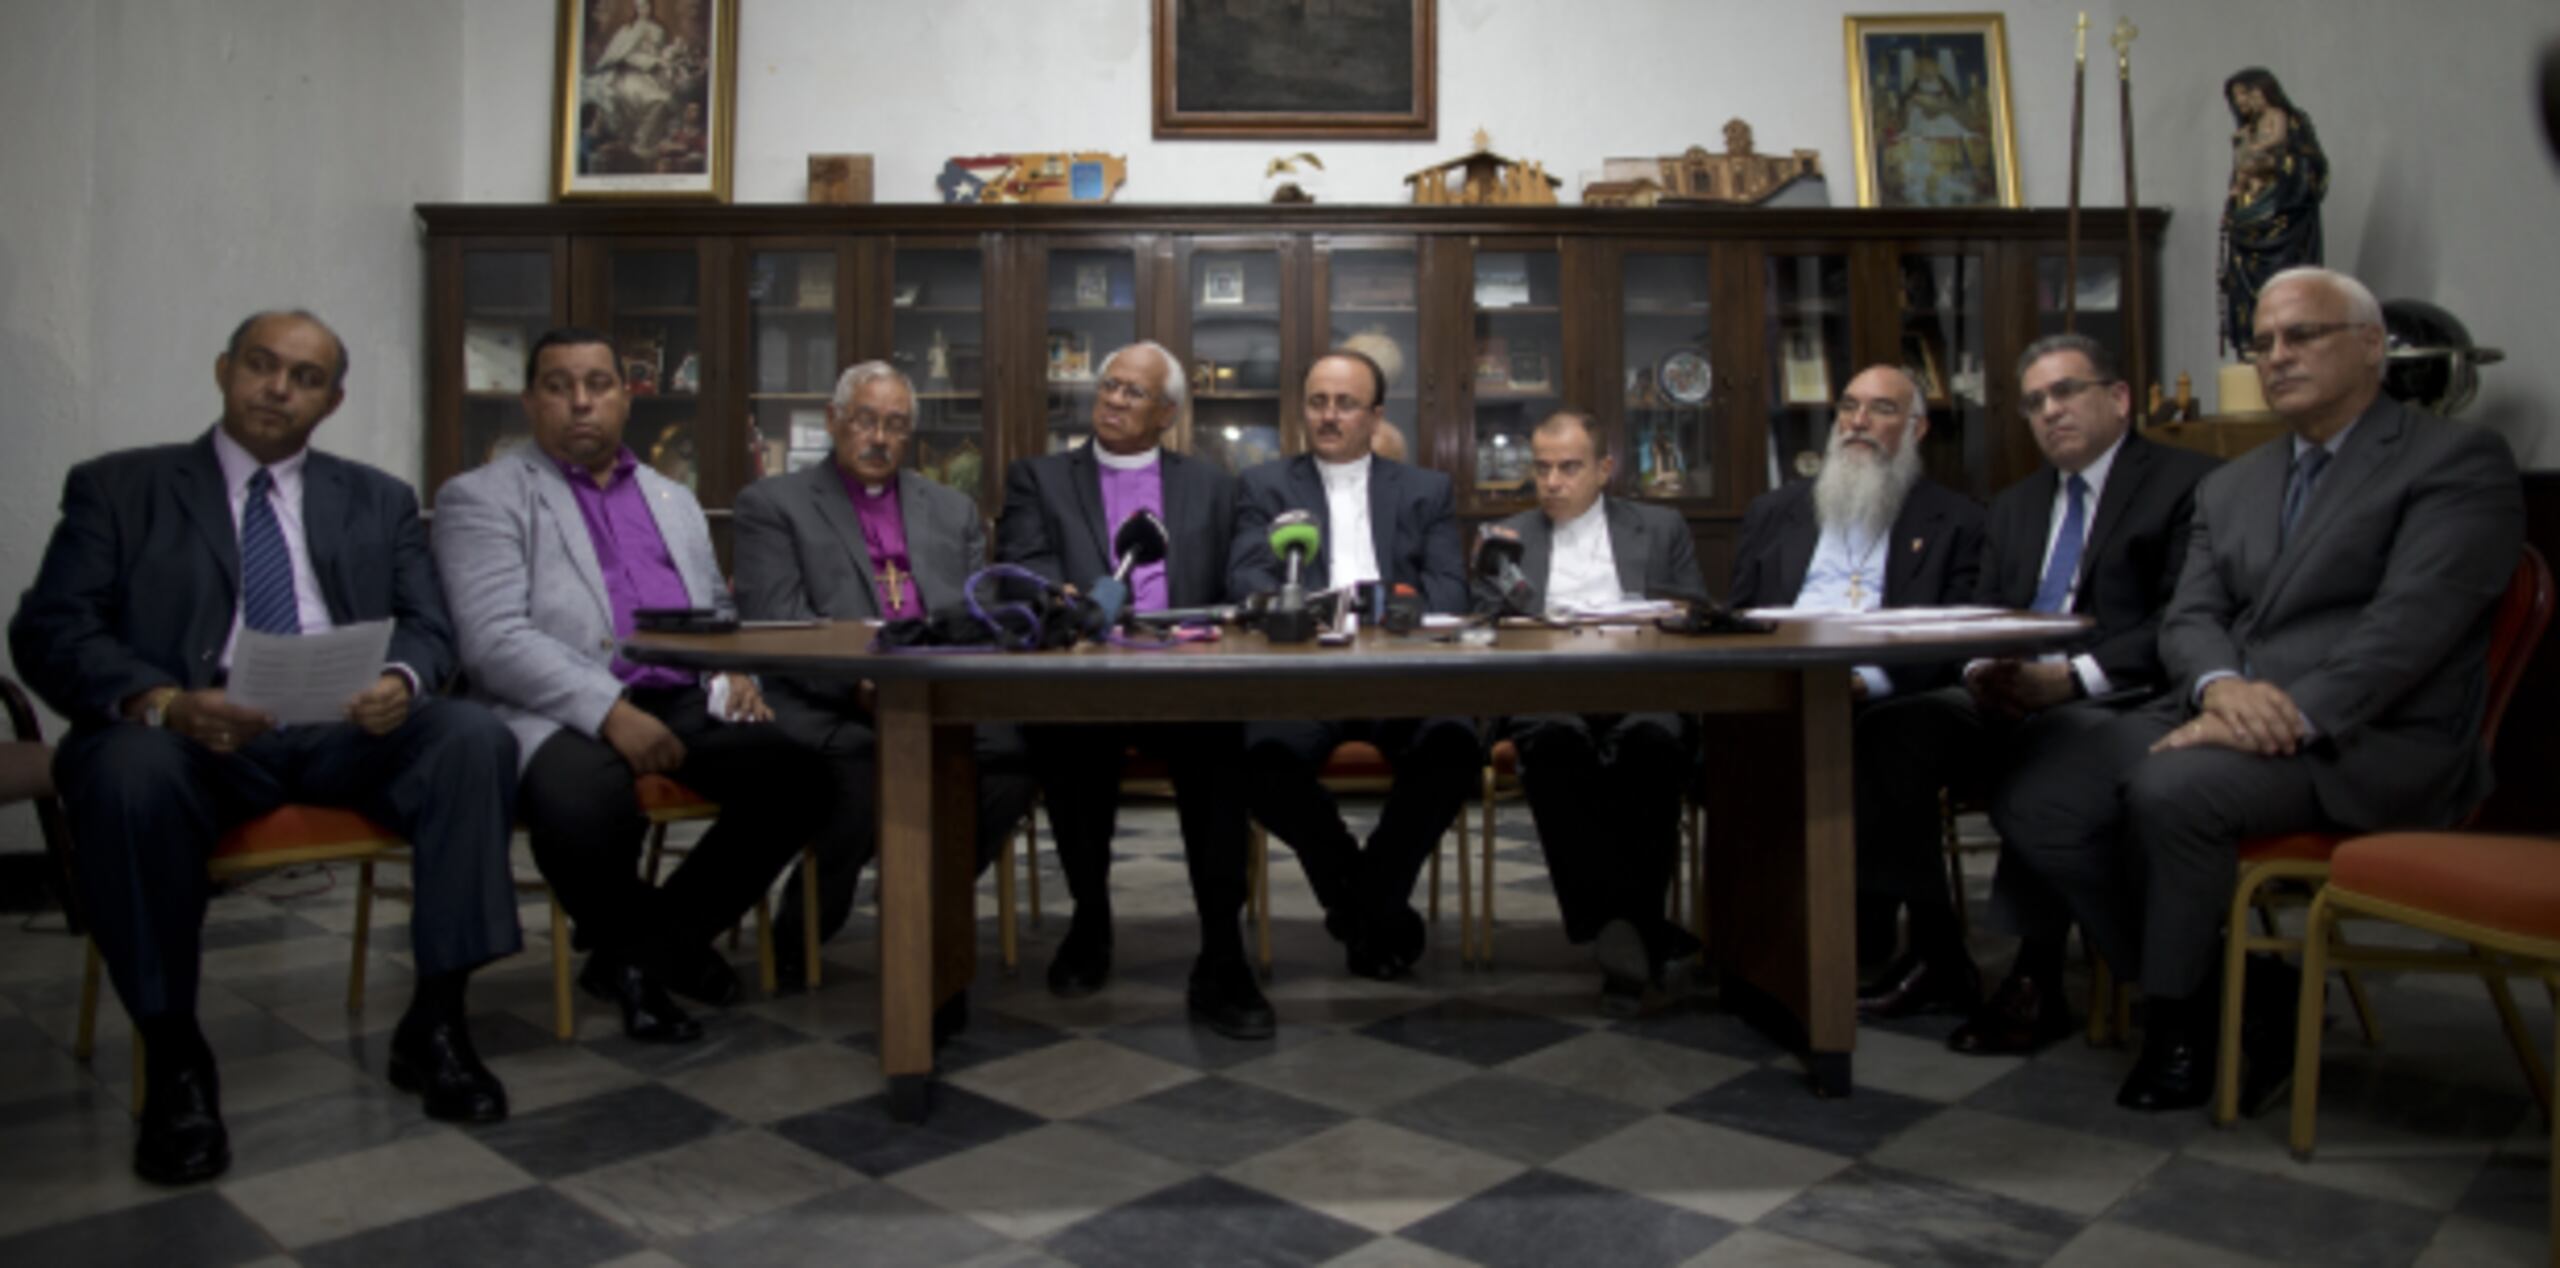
(705, 975)
(183, 1140)
(648, 1015)
(1083, 961)
(1386, 944)
(1224, 995)
(2022, 1016)
(2175, 1072)
(1626, 970)
(1931, 984)
(436, 1060)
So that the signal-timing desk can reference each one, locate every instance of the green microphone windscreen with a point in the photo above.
(1302, 535)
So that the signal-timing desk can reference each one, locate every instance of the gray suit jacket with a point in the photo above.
(2374, 616)
(528, 598)
(800, 555)
(1650, 544)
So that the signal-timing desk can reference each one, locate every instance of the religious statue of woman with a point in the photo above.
(631, 83)
(2271, 217)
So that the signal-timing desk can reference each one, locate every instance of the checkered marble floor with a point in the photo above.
(1468, 1116)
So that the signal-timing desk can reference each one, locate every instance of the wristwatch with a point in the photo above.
(155, 707)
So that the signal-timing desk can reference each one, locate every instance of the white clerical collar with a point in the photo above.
(1126, 461)
(1344, 474)
(871, 490)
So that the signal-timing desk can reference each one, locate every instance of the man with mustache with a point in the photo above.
(1387, 524)
(862, 538)
(2326, 651)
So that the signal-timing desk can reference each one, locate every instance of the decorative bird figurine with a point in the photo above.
(1287, 164)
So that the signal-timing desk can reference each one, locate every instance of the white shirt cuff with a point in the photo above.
(2195, 698)
(2093, 680)
(1878, 686)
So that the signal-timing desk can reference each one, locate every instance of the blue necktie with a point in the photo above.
(2055, 589)
(2306, 476)
(266, 568)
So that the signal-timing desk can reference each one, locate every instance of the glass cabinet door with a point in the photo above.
(1237, 396)
(938, 335)
(1371, 306)
(654, 311)
(1940, 328)
(1092, 311)
(791, 355)
(1672, 443)
(1519, 351)
(1808, 338)
(506, 305)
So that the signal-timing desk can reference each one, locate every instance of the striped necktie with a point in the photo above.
(2306, 477)
(2052, 593)
(266, 567)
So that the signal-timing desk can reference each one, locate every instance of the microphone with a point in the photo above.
(1501, 589)
(1403, 613)
(1294, 538)
(1140, 541)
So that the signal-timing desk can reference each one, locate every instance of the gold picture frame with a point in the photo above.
(645, 100)
(1929, 110)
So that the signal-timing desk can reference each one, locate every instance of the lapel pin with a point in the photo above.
(1917, 545)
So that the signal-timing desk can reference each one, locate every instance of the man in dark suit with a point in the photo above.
(2326, 653)
(1061, 513)
(1604, 788)
(862, 538)
(162, 557)
(1384, 523)
(2100, 531)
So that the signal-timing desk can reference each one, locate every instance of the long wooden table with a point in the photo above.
(1781, 850)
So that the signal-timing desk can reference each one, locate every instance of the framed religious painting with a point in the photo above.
(1342, 70)
(647, 99)
(1929, 111)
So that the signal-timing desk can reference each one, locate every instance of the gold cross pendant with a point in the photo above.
(891, 577)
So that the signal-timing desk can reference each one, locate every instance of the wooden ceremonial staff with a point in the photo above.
(2071, 231)
(2140, 377)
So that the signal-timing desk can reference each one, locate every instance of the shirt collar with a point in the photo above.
(624, 463)
(854, 487)
(1125, 462)
(1593, 519)
(2095, 474)
(2336, 444)
(1350, 474)
(238, 466)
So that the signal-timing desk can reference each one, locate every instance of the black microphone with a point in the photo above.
(1294, 537)
(1140, 541)
(1500, 588)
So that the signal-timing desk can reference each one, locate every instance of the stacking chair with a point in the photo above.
(26, 774)
(668, 803)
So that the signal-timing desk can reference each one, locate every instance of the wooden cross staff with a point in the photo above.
(2138, 372)
(2071, 232)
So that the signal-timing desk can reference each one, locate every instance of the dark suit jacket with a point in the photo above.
(1052, 522)
(1413, 527)
(1650, 544)
(2129, 565)
(1933, 558)
(2374, 615)
(141, 580)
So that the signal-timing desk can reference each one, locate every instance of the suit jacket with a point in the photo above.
(2129, 563)
(1934, 557)
(141, 581)
(1650, 544)
(1052, 522)
(1413, 528)
(2374, 616)
(529, 597)
(800, 554)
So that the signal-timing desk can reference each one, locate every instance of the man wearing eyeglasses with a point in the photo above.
(2100, 531)
(2325, 649)
(862, 537)
(1061, 513)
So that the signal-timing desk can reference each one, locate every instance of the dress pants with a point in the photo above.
(1437, 762)
(581, 808)
(2144, 847)
(1079, 772)
(147, 807)
(1604, 790)
(1005, 790)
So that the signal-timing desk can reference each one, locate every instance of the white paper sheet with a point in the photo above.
(300, 678)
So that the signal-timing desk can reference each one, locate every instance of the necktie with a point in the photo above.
(2056, 586)
(266, 568)
(2306, 475)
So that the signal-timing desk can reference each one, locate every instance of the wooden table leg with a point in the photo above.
(955, 875)
(1830, 880)
(906, 895)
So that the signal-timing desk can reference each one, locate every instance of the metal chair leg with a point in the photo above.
(2306, 1035)
(1258, 846)
(564, 1008)
(809, 936)
(1031, 858)
(2528, 1054)
(363, 934)
(1008, 941)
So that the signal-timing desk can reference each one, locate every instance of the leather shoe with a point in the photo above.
(648, 1015)
(1386, 945)
(183, 1139)
(2175, 1072)
(704, 975)
(1083, 961)
(1914, 985)
(1224, 995)
(436, 1060)
(2022, 1016)
(1629, 973)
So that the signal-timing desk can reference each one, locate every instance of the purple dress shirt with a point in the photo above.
(1125, 493)
(632, 554)
(884, 531)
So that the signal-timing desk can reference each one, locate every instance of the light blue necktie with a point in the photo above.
(2306, 477)
(266, 567)
(2055, 589)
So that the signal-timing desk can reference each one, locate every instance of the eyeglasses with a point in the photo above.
(1883, 409)
(887, 427)
(2300, 335)
(1122, 387)
(2061, 393)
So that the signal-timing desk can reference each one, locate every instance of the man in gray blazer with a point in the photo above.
(546, 554)
(863, 538)
(1604, 788)
(2326, 651)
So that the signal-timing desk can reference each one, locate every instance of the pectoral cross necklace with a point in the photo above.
(1858, 562)
(890, 577)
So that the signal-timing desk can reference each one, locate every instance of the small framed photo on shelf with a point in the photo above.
(644, 358)
(1093, 286)
(1529, 372)
(1807, 378)
(1920, 360)
(1221, 283)
(1502, 280)
(809, 430)
(1070, 356)
(1493, 362)
(492, 357)
(817, 287)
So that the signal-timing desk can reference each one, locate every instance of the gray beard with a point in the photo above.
(1858, 491)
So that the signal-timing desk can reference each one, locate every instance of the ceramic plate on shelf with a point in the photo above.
(1685, 377)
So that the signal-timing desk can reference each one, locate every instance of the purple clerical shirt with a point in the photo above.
(1125, 493)
(632, 553)
(884, 534)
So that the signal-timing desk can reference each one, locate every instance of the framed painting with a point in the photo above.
(1306, 70)
(1929, 110)
(647, 99)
